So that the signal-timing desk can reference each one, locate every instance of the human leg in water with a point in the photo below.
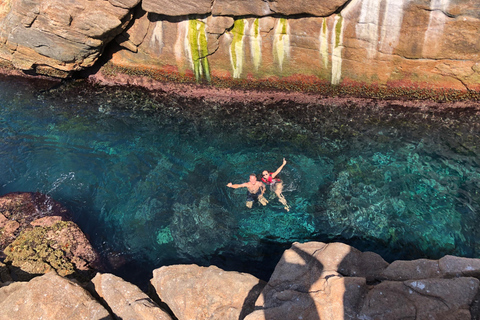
(278, 191)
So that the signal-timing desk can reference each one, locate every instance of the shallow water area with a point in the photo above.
(145, 175)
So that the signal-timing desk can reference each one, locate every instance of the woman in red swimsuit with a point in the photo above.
(276, 184)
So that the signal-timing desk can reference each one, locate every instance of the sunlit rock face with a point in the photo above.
(59, 36)
(388, 42)
(396, 43)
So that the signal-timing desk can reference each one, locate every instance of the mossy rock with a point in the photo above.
(41, 249)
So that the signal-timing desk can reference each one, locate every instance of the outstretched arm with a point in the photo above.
(235, 186)
(279, 168)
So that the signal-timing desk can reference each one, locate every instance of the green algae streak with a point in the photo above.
(236, 48)
(197, 40)
(338, 31)
(256, 47)
(281, 43)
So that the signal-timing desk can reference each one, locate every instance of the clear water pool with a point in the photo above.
(145, 177)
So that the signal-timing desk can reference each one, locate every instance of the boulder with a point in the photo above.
(452, 266)
(126, 300)
(321, 258)
(49, 297)
(421, 299)
(59, 36)
(18, 210)
(411, 270)
(61, 246)
(317, 280)
(328, 281)
(447, 267)
(332, 297)
(24, 207)
(36, 238)
(194, 292)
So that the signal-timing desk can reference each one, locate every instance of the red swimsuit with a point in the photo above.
(270, 181)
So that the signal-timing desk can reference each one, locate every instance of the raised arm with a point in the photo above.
(279, 168)
(235, 186)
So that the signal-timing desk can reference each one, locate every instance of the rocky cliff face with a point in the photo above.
(403, 43)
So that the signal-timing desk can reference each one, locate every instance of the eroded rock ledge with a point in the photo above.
(390, 43)
(51, 271)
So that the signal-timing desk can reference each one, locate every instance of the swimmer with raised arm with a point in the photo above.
(276, 184)
(255, 188)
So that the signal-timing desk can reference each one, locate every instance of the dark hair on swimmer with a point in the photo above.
(253, 174)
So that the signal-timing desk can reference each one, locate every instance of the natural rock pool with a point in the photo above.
(145, 177)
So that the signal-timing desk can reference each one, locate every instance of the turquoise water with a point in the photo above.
(145, 176)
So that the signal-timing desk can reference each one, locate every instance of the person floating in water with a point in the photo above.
(255, 188)
(276, 184)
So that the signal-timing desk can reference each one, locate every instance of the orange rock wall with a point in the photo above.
(393, 43)
(389, 42)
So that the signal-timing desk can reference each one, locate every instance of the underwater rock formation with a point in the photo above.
(395, 43)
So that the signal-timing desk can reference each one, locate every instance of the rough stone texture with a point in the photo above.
(59, 36)
(307, 284)
(177, 8)
(446, 267)
(315, 280)
(312, 281)
(18, 211)
(332, 297)
(126, 300)
(409, 270)
(395, 43)
(61, 246)
(242, 7)
(391, 43)
(452, 266)
(194, 292)
(49, 297)
(321, 258)
(421, 299)
(35, 238)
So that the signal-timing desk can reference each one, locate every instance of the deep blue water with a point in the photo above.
(145, 175)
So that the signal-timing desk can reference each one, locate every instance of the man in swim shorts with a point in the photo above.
(255, 188)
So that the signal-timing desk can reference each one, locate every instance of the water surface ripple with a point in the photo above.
(146, 177)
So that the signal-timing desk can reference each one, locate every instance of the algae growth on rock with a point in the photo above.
(146, 176)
